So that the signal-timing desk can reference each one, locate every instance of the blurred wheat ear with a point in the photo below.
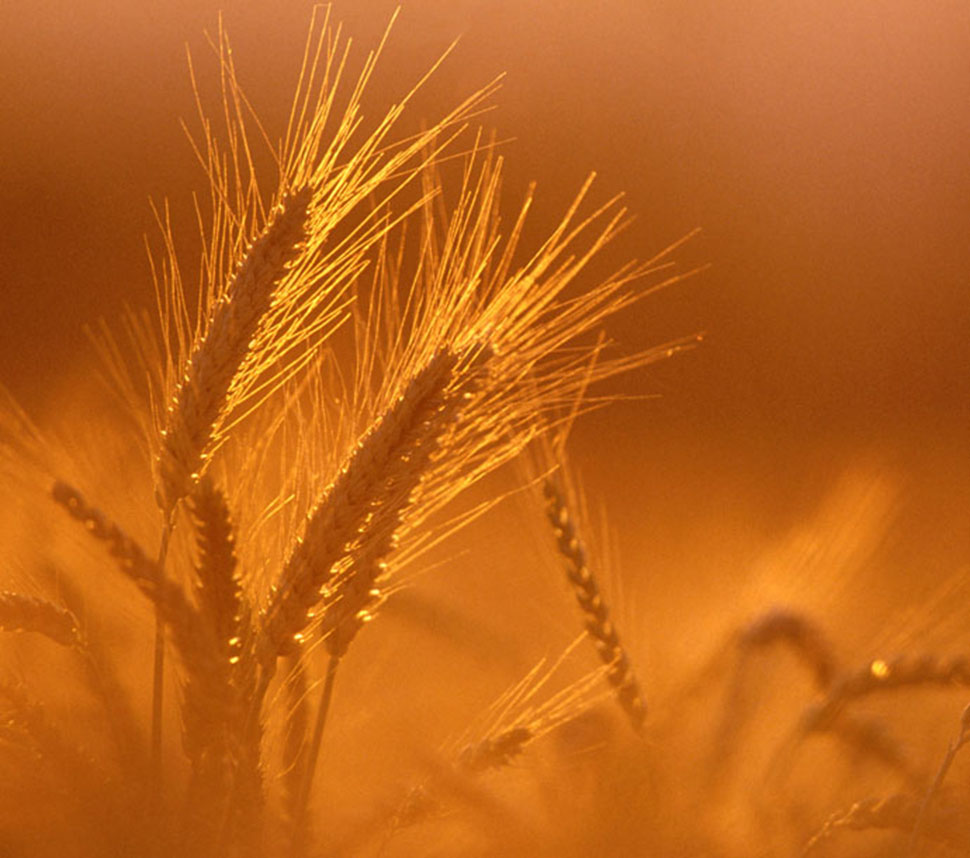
(599, 626)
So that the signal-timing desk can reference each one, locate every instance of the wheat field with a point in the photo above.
(307, 564)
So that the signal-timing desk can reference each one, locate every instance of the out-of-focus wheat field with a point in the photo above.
(808, 462)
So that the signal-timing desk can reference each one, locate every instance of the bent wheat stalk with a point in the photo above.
(789, 626)
(946, 824)
(879, 675)
(952, 750)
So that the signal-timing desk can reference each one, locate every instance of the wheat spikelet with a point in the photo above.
(598, 623)
(19, 613)
(377, 471)
(199, 401)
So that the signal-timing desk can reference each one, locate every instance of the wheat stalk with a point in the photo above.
(946, 824)
(962, 737)
(295, 744)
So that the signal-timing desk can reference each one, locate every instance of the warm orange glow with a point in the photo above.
(466, 537)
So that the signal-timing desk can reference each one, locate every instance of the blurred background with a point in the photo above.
(822, 148)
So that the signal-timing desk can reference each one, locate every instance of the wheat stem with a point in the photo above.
(158, 665)
(952, 750)
(295, 742)
(313, 753)
(946, 825)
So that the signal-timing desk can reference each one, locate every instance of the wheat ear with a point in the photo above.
(784, 625)
(598, 623)
(880, 675)
(19, 613)
(190, 635)
(199, 401)
(198, 650)
(218, 587)
(494, 752)
(214, 702)
(375, 480)
(357, 595)
(131, 559)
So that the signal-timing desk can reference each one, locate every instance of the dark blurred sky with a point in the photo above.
(823, 148)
